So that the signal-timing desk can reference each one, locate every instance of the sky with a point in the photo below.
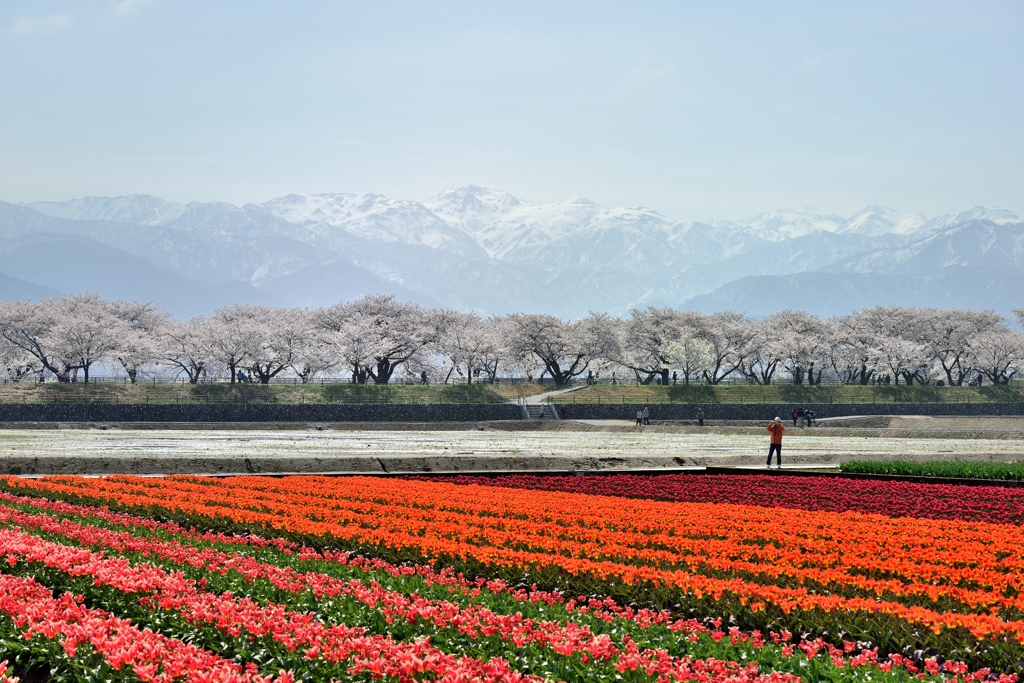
(696, 110)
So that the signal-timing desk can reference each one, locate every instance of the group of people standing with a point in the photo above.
(807, 415)
(643, 416)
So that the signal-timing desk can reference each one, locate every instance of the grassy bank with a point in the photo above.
(256, 393)
(959, 470)
(791, 394)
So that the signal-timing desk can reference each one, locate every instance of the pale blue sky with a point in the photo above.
(693, 111)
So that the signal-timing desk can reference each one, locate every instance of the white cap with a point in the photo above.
(778, 420)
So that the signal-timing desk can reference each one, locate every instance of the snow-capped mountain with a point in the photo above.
(472, 208)
(482, 249)
(881, 220)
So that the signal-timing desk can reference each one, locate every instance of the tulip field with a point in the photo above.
(730, 579)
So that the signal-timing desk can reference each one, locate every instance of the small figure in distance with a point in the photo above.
(423, 377)
(639, 416)
(647, 416)
(810, 418)
(776, 429)
(795, 416)
(700, 417)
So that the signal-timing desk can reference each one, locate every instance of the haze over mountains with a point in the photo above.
(474, 248)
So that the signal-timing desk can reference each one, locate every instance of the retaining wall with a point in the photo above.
(766, 411)
(257, 412)
(460, 412)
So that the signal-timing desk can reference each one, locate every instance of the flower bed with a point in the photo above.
(903, 584)
(951, 468)
(892, 498)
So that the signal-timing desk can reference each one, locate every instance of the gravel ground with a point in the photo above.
(563, 447)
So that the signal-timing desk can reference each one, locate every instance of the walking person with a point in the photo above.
(795, 416)
(700, 417)
(639, 417)
(647, 416)
(776, 429)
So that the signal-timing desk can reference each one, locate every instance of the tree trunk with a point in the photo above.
(865, 376)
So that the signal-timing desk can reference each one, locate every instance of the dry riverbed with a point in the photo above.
(489, 447)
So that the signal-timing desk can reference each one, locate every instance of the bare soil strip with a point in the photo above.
(489, 447)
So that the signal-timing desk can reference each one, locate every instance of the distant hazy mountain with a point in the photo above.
(831, 294)
(16, 289)
(482, 249)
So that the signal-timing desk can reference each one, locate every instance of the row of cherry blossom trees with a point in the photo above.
(378, 338)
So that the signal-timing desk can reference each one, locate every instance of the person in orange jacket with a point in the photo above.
(776, 429)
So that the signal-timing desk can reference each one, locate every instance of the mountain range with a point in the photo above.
(485, 250)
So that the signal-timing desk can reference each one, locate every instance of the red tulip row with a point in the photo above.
(833, 494)
(244, 618)
(604, 609)
(834, 558)
(151, 656)
(564, 639)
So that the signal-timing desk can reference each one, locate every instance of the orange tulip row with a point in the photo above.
(939, 574)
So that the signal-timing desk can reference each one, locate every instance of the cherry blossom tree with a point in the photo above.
(65, 335)
(310, 347)
(728, 335)
(948, 335)
(25, 326)
(470, 342)
(800, 340)
(900, 357)
(378, 333)
(998, 354)
(644, 340)
(18, 363)
(565, 349)
(285, 338)
(142, 326)
(762, 357)
(233, 333)
(188, 346)
(689, 355)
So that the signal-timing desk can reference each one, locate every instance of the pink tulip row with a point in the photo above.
(336, 643)
(378, 655)
(152, 656)
(476, 621)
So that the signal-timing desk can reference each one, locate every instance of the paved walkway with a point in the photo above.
(541, 399)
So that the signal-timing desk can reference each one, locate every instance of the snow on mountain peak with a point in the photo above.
(472, 207)
(133, 208)
(371, 217)
(775, 226)
(879, 220)
(305, 209)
